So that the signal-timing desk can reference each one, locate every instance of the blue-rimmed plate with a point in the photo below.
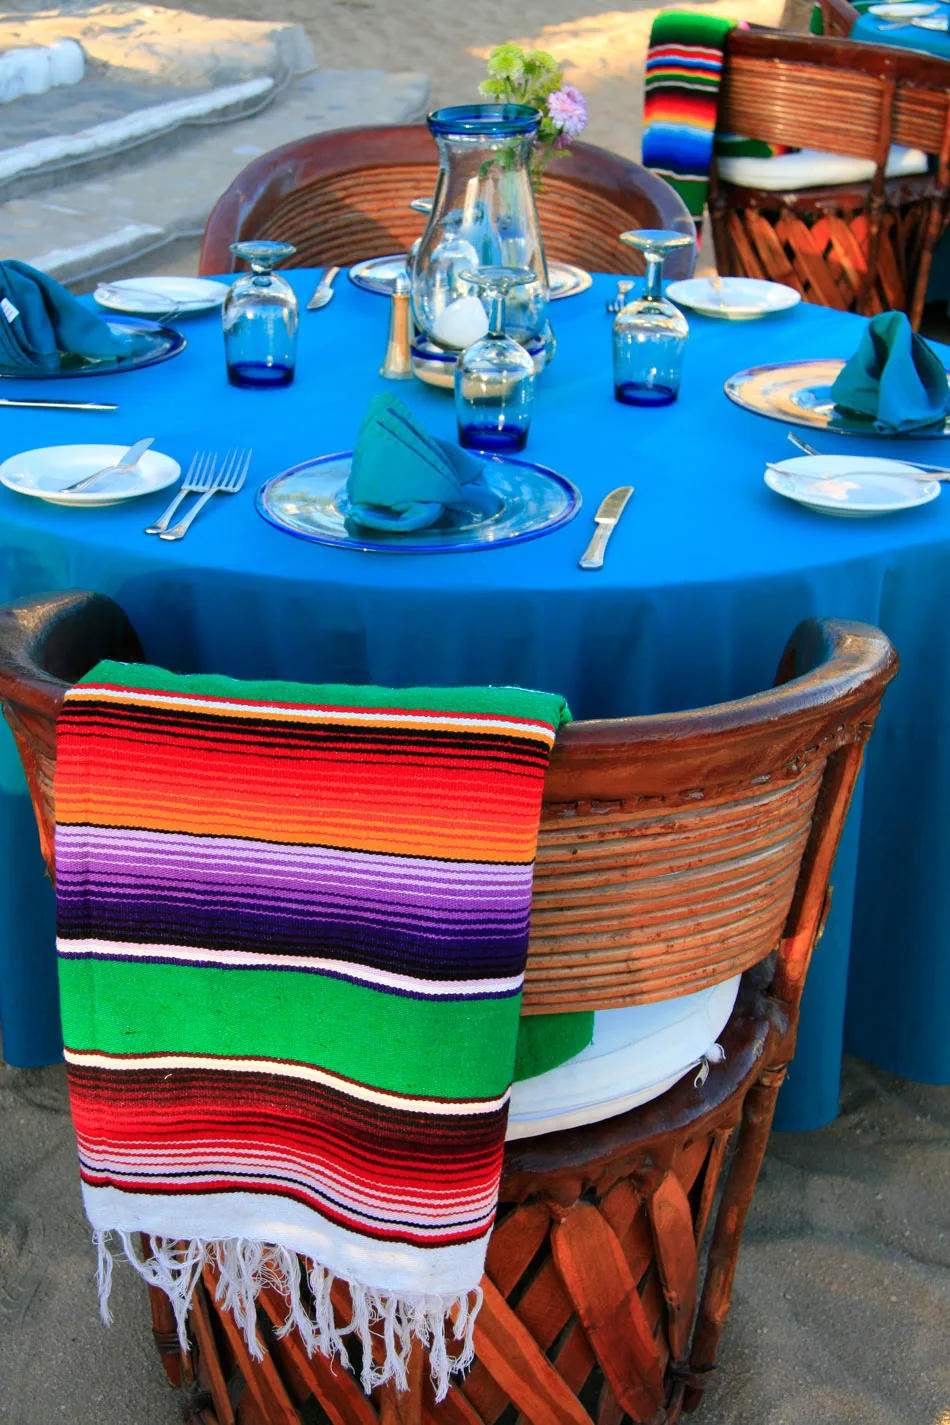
(151, 343)
(378, 274)
(310, 502)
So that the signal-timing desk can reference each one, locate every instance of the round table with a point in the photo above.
(706, 576)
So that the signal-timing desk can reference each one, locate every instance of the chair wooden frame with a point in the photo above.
(344, 196)
(837, 18)
(595, 1303)
(864, 247)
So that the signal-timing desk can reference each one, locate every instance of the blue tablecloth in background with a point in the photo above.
(706, 576)
(873, 29)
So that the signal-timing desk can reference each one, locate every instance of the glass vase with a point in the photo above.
(483, 215)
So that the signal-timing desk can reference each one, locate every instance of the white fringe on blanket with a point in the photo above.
(243, 1267)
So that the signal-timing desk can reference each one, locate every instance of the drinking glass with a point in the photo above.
(494, 378)
(649, 332)
(259, 317)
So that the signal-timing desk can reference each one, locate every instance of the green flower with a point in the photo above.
(506, 62)
(538, 61)
(494, 88)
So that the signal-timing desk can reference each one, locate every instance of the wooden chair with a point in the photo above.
(344, 196)
(837, 18)
(864, 247)
(675, 851)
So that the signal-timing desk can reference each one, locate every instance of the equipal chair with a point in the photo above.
(675, 852)
(342, 197)
(862, 246)
(837, 18)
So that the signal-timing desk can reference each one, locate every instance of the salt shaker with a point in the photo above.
(397, 365)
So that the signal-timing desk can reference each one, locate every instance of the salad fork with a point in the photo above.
(199, 477)
(619, 301)
(231, 479)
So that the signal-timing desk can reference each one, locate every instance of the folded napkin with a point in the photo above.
(894, 376)
(291, 962)
(40, 321)
(403, 478)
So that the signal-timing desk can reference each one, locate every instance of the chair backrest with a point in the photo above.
(836, 95)
(674, 852)
(837, 18)
(344, 196)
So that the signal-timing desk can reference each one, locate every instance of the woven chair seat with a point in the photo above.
(343, 197)
(857, 246)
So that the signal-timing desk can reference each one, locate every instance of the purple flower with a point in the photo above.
(568, 109)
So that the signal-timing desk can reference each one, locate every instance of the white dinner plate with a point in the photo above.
(901, 10)
(743, 298)
(152, 296)
(44, 472)
(855, 486)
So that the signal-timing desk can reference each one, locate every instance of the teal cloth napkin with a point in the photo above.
(403, 478)
(40, 320)
(894, 376)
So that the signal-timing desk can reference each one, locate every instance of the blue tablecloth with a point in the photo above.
(706, 576)
(874, 29)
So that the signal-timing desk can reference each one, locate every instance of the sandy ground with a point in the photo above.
(841, 1311)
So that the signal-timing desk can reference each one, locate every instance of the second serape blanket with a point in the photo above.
(681, 101)
(292, 930)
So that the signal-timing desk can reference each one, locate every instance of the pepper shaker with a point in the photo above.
(397, 365)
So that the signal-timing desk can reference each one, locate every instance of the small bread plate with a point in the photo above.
(852, 486)
(378, 274)
(738, 299)
(310, 501)
(901, 10)
(157, 296)
(940, 23)
(45, 471)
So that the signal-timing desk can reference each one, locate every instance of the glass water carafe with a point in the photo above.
(483, 215)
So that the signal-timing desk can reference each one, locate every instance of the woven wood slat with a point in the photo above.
(337, 1390)
(262, 1377)
(777, 100)
(673, 1235)
(210, 1360)
(594, 1269)
(514, 1243)
(920, 117)
(713, 1167)
(507, 1348)
(484, 1394)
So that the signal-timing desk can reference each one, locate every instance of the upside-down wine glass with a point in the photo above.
(649, 332)
(259, 318)
(494, 378)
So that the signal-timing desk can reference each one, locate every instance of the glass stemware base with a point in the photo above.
(259, 373)
(640, 393)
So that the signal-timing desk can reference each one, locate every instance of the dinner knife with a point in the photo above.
(59, 405)
(611, 508)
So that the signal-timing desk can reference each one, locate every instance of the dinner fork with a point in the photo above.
(618, 302)
(917, 464)
(199, 477)
(231, 479)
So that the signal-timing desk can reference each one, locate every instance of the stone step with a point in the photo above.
(81, 230)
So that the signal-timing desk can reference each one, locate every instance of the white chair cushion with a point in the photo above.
(811, 169)
(636, 1054)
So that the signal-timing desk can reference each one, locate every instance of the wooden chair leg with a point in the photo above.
(730, 1221)
(164, 1328)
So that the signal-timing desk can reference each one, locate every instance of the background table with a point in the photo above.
(875, 30)
(707, 574)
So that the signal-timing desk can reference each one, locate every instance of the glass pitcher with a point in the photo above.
(483, 215)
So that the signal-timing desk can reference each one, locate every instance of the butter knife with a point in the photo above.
(611, 508)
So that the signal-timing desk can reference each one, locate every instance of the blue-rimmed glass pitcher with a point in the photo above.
(483, 215)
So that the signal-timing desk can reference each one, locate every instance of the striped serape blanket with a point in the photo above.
(683, 75)
(292, 930)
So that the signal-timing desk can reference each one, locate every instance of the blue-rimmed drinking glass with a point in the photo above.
(259, 318)
(649, 332)
(494, 378)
